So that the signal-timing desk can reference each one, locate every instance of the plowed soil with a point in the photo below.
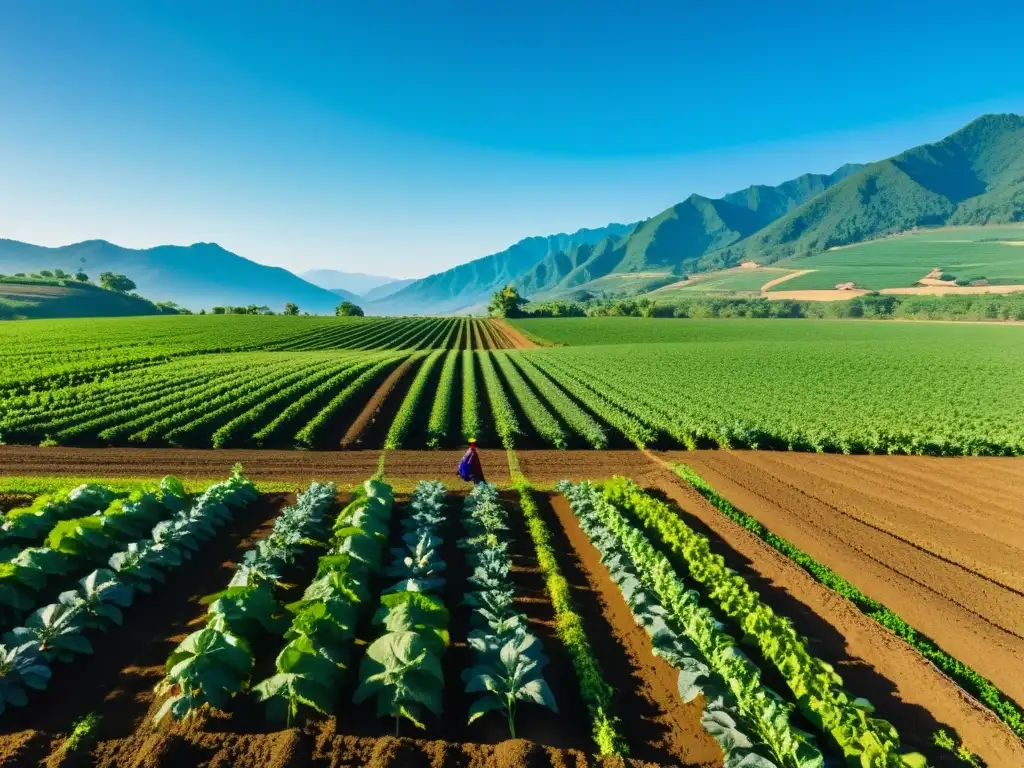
(908, 531)
(542, 467)
(514, 338)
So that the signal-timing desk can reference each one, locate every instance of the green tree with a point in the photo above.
(45, 273)
(114, 282)
(291, 308)
(506, 302)
(219, 310)
(81, 277)
(348, 309)
(60, 274)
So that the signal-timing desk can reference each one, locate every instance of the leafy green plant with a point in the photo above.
(509, 662)
(814, 683)
(207, 667)
(312, 664)
(507, 675)
(22, 667)
(401, 670)
(403, 673)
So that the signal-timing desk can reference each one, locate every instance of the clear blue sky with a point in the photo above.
(402, 138)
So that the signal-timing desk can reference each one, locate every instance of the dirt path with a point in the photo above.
(514, 336)
(366, 416)
(875, 663)
(771, 283)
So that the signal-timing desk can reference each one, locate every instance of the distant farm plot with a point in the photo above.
(899, 262)
(728, 281)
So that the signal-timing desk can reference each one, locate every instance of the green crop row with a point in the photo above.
(595, 691)
(967, 678)
(412, 403)
(816, 686)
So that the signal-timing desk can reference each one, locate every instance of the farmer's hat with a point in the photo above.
(472, 441)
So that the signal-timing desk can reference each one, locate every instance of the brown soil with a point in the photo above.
(657, 724)
(543, 467)
(9, 501)
(514, 336)
(946, 600)
(366, 417)
(117, 682)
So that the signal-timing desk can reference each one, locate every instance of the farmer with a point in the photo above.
(469, 467)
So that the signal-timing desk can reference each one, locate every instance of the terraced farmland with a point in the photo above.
(617, 610)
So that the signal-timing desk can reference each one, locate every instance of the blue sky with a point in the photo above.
(403, 138)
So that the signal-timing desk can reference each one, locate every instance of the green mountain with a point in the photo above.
(469, 284)
(974, 176)
(195, 276)
(681, 234)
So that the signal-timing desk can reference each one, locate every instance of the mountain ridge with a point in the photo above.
(197, 276)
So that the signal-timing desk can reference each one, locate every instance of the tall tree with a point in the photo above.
(506, 302)
(291, 308)
(348, 309)
(114, 282)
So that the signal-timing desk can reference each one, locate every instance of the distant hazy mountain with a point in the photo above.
(353, 282)
(344, 295)
(682, 233)
(195, 276)
(974, 176)
(467, 284)
(383, 291)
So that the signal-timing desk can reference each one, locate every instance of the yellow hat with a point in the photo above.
(472, 440)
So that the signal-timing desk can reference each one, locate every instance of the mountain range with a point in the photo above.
(197, 276)
(973, 176)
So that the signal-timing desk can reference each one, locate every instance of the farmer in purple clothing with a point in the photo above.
(469, 467)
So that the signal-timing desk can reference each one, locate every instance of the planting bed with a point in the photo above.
(934, 539)
(938, 542)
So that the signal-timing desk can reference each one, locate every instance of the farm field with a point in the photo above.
(641, 710)
(898, 262)
(433, 382)
(737, 280)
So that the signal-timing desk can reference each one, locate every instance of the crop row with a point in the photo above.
(815, 686)
(61, 630)
(51, 355)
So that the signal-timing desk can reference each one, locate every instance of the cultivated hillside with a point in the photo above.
(195, 276)
(974, 176)
(679, 235)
